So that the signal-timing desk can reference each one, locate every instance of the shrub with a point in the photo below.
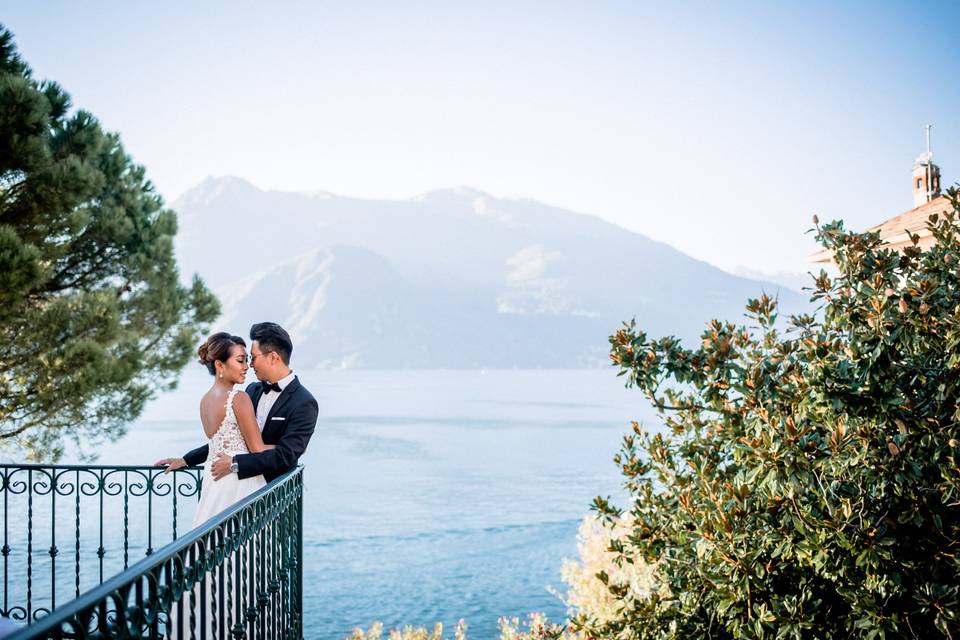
(806, 482)
(408, 632)
(600, 581)
(537, 627)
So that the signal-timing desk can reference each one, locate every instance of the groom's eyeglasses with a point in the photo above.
(252, 357)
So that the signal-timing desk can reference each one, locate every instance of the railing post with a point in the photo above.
(299, 591)
(29, 546)
(6, 547)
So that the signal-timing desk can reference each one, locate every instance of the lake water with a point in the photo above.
(434, 495)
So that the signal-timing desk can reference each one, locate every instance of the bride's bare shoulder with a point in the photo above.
(206, 398)
(242, 402)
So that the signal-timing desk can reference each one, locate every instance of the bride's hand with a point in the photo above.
(170, 464)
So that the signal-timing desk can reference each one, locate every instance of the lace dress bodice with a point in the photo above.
(215, 497)
(228, 439)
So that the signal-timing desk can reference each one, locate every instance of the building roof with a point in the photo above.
(896, 231)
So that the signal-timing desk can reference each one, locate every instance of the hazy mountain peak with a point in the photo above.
(453, 278)
(457, 194)
(465, 201)
(319, 194)
(211, 188)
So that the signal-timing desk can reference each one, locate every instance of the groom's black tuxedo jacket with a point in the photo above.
(289, 425)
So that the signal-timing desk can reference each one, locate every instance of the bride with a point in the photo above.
(229, 423)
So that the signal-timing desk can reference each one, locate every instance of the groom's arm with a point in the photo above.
(196, 456)
(292, 444)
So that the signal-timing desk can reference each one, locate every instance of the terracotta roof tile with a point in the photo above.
(895, 231)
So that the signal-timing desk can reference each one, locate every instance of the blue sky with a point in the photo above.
(719, 128)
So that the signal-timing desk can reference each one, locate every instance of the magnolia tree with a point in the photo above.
(806, 484)
(806, 481)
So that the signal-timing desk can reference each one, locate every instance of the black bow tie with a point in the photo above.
(270, 386)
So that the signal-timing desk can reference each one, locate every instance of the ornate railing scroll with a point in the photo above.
(68, 527)
(239, 575)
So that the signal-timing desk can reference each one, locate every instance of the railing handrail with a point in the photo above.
(89, 467)
(135, 571)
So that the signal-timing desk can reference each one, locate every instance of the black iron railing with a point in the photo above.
(238, 575)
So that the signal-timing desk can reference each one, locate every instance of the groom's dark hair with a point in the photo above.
(272, 337)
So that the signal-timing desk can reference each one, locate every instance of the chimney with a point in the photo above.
(926, 177)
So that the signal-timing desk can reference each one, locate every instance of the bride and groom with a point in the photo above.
(253, 436)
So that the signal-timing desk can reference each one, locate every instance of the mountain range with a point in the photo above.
(453, 278)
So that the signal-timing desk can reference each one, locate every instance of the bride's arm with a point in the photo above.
(247, 419)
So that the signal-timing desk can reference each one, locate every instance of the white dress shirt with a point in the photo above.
(268, 399)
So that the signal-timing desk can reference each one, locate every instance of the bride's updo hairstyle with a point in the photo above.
(217, 348)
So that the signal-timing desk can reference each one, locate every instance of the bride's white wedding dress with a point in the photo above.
(218, 495)
(215, 497)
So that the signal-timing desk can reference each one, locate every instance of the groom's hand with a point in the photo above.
(221, 466)
(170, 464)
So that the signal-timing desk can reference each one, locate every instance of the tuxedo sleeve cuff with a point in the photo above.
(245, 465)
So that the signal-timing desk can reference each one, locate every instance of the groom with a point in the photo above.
(286, 412)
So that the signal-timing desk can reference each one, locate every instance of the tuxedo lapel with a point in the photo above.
(284, 397)
(255, 395)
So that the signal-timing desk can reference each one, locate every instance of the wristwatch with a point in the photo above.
(234, 467)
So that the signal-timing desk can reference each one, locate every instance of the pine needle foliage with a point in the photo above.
(93, 318)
